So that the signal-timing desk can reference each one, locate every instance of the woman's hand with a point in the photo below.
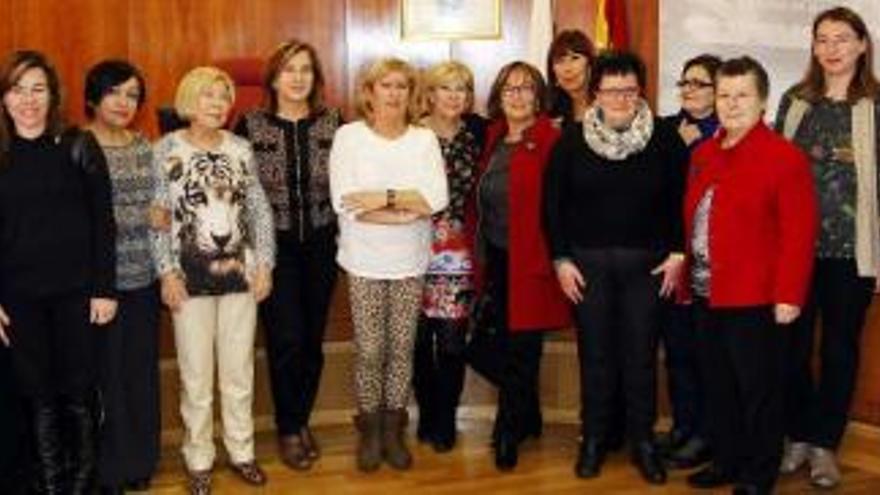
(570, 280)
(4, 324)
(102, 310)
(689, 132)
(364, 201)
(159, 218)
(174, 292)
(671, 269)
(260, 282)
(785, 313)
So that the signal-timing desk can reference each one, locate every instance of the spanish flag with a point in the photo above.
(611, 26)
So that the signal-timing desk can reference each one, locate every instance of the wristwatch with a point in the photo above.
(390, 196)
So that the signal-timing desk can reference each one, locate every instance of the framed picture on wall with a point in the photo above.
(450, 19)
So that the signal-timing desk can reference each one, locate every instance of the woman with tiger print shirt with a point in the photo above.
(215, 265)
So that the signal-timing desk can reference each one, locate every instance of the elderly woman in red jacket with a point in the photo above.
(518, 271)
(751, 220)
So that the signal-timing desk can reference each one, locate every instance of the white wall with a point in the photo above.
(775, 32)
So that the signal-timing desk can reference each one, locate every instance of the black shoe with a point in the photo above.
(138, 485)
(111, 490)
(673, 440)
(693, 453)
(590, 459)
(748, 489)
(712, 476)
(647, 459)
(506, 455)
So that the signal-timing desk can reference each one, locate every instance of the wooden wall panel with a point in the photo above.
(168, 37)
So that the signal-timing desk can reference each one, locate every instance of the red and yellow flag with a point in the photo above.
(611, 25)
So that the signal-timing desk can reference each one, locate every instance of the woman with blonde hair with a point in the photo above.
(386, 180)
(215, 265)
(447, 98)
(291, 136)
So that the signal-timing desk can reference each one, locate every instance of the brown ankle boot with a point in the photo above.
(393, 445)
(369, 449)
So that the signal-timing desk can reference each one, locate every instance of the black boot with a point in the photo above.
(590, 458)
(47, 440)
(425, 381)
(506, 451)
(83, 428)
(647, 460)
(450, 381)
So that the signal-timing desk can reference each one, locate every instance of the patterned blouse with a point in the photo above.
(449, 286)
(221, 225)
(825, 134)
(131, 173)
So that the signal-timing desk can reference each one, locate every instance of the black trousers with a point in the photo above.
(519, 406)
(817, 410)
(741, 358)
(14, 428)
(53, 345)
(686, 388)
(128, 356)
(294, 317)
(438, 371)
(617, 339)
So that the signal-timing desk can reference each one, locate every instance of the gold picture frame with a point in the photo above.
(450, 19)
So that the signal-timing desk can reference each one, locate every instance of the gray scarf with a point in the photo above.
(615, 144)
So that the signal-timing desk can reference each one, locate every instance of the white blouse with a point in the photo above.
(362, 160)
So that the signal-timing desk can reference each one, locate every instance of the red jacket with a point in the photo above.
(763, 220)
(535, 300)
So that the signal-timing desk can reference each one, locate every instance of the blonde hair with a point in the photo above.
(194, 83)
(443, 73)
(376, 71)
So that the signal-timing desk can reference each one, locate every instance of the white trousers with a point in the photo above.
(224, 325)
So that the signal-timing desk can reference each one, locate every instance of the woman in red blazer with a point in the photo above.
(518, 273)
(751, 220)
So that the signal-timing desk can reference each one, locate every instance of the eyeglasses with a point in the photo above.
(619, 93)
(523, 89)
(693, 84)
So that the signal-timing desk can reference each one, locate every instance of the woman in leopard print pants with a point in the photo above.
(386, 178)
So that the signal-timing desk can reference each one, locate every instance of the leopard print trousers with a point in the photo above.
(385, 314)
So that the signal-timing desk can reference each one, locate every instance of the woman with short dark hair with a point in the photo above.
(128, 350)
(623, 168)
(750, 221)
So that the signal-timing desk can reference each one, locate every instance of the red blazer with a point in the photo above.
(763, 221)
(535, 300)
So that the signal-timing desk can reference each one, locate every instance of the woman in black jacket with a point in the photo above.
(57, 265)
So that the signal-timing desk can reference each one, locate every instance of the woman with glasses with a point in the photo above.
(832, 115)
(518, 274)
(686, 444)
(625, 167)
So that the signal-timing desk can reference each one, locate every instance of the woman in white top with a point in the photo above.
(386, 179)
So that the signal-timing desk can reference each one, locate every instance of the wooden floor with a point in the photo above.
(545, 467)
